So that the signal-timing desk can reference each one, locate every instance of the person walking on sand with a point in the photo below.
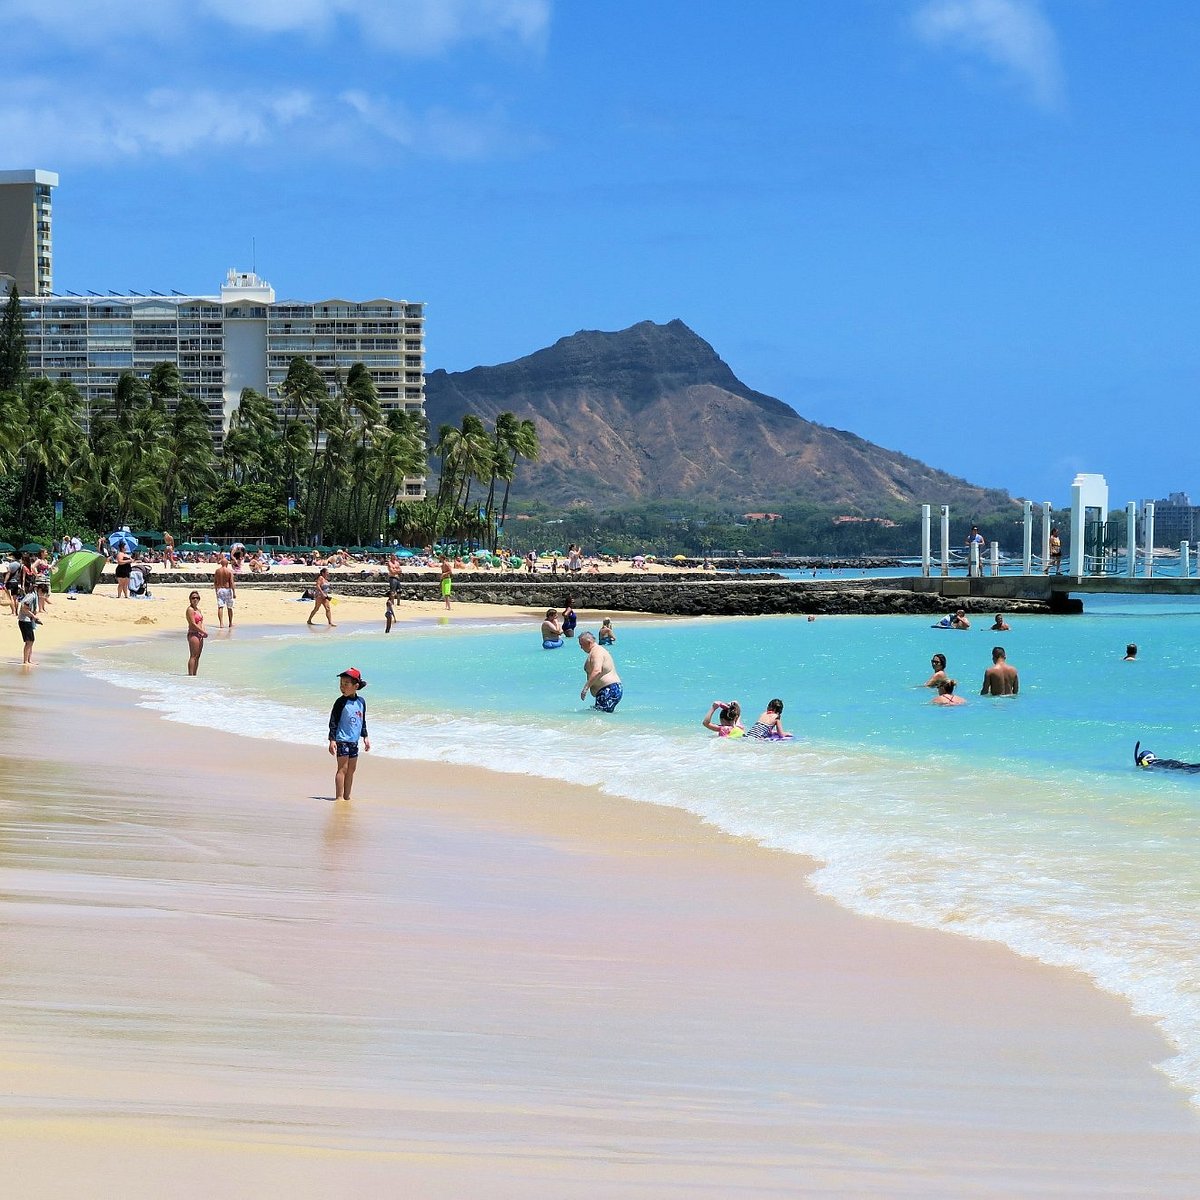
(225, 585)
(347, 723)
(1000, 679)
(321, 597)
(196, 632)
(168, 548)
(447, 580)
(602, 679)
(389, 614)
(31, 604)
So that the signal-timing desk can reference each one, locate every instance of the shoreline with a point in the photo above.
(563, 961)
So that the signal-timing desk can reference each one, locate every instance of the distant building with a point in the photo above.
(26, 247)
(762, 517)
(1176, 519)
(221, 344)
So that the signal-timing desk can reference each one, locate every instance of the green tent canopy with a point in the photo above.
(7, 548)
(79, 570)
(31, 548)
(155, 539)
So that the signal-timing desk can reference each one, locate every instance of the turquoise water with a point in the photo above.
(1020, 820)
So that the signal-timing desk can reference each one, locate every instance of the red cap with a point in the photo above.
(354, 675)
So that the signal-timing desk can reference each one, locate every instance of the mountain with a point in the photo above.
(653, 413)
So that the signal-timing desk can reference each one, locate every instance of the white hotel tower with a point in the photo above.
(221, 344)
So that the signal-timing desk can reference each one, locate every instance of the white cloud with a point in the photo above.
(41, 124)
(413, 27)
(1012, 34)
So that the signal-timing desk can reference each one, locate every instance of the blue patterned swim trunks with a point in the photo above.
(607, 698)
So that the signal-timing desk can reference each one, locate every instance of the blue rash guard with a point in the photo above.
(348, 720)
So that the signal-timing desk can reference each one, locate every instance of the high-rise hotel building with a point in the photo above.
(241, 338)
(26, 247)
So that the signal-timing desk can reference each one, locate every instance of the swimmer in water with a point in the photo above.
(946, 694)
(552, 638)
(729, 719)
(938, 663)
(606, 636)
(769, 726)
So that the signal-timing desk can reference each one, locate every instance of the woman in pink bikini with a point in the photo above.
(195, 632)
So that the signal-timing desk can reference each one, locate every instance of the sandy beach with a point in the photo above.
(216, 983)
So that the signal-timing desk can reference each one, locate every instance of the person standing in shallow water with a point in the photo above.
(1000, 679)
(602, 679)
(195, 633)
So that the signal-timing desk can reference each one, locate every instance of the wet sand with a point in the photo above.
(215, 982)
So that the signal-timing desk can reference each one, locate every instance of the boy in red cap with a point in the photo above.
(347, 723)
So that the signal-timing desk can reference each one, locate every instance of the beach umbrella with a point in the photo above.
(155, 539)
(680, 558)
(7, 548)
(123, 535)
(79, 570)
(30, 548)
(401, 552)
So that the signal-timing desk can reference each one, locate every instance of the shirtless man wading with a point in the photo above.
(1000, 679)
(602, 679)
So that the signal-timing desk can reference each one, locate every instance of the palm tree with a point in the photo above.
(524, 445)
(189, 456)
(397, 453)
(251, 446)
(302, 389)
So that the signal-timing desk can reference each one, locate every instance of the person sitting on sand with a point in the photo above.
(729, 719)
(938, 662)
(769, 726)
(552, 638)
(946, 694)
(1000, 625)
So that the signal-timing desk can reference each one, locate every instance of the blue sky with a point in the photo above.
(963, 229)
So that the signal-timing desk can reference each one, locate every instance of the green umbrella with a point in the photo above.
(155, 539)
(31, 548)
(79, 570)
(8, 548)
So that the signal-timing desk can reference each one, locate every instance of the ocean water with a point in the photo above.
(1020, 820)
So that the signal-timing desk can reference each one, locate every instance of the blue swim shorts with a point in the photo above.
(347, 749)
(607, 698)
(549, 644)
